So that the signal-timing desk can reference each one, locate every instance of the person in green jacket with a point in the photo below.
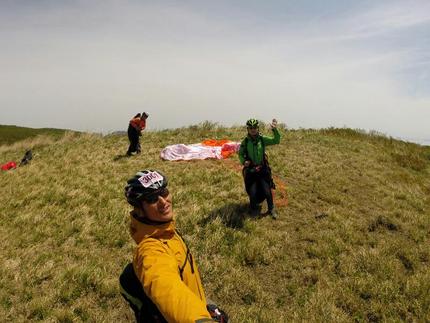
(256, 171)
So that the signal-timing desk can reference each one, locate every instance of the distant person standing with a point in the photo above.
(135, 128)
(256, 171)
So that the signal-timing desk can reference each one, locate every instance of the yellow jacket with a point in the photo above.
(160, 257)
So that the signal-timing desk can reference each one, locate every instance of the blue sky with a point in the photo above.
(91, 65)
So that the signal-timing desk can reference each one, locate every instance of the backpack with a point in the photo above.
(27, 157)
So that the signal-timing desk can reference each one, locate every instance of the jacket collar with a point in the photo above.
(257, 137)
(140, 231)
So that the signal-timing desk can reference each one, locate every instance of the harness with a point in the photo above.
(253, 170)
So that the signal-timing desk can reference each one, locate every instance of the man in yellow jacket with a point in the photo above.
(163, 283)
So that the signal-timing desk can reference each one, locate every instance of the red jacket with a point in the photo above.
(138, 123)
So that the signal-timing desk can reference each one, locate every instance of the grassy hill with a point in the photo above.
(351, 245)
(11, 134)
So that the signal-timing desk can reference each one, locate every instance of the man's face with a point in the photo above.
(158, 208)
(253, 131)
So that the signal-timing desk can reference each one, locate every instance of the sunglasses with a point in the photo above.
(252, 127)
(153, 197)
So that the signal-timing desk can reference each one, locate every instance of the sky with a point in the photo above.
(92, 65)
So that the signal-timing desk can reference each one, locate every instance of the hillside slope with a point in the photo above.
(10, 134)
(352, 244)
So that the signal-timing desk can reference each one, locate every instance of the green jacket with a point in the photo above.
(254, 148)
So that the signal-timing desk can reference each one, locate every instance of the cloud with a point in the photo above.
(100, 63)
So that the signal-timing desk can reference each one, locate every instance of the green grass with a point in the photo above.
(352, 244)
(11, 134)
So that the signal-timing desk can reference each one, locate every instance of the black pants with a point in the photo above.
(132, 290)
(258, 185)
(133, 137)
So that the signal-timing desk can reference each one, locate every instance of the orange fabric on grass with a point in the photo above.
(226, 150)
(214, 142)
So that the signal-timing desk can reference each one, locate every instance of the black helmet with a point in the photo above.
(252, 123)
(143, 184)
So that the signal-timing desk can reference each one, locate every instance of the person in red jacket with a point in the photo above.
(135, 128)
